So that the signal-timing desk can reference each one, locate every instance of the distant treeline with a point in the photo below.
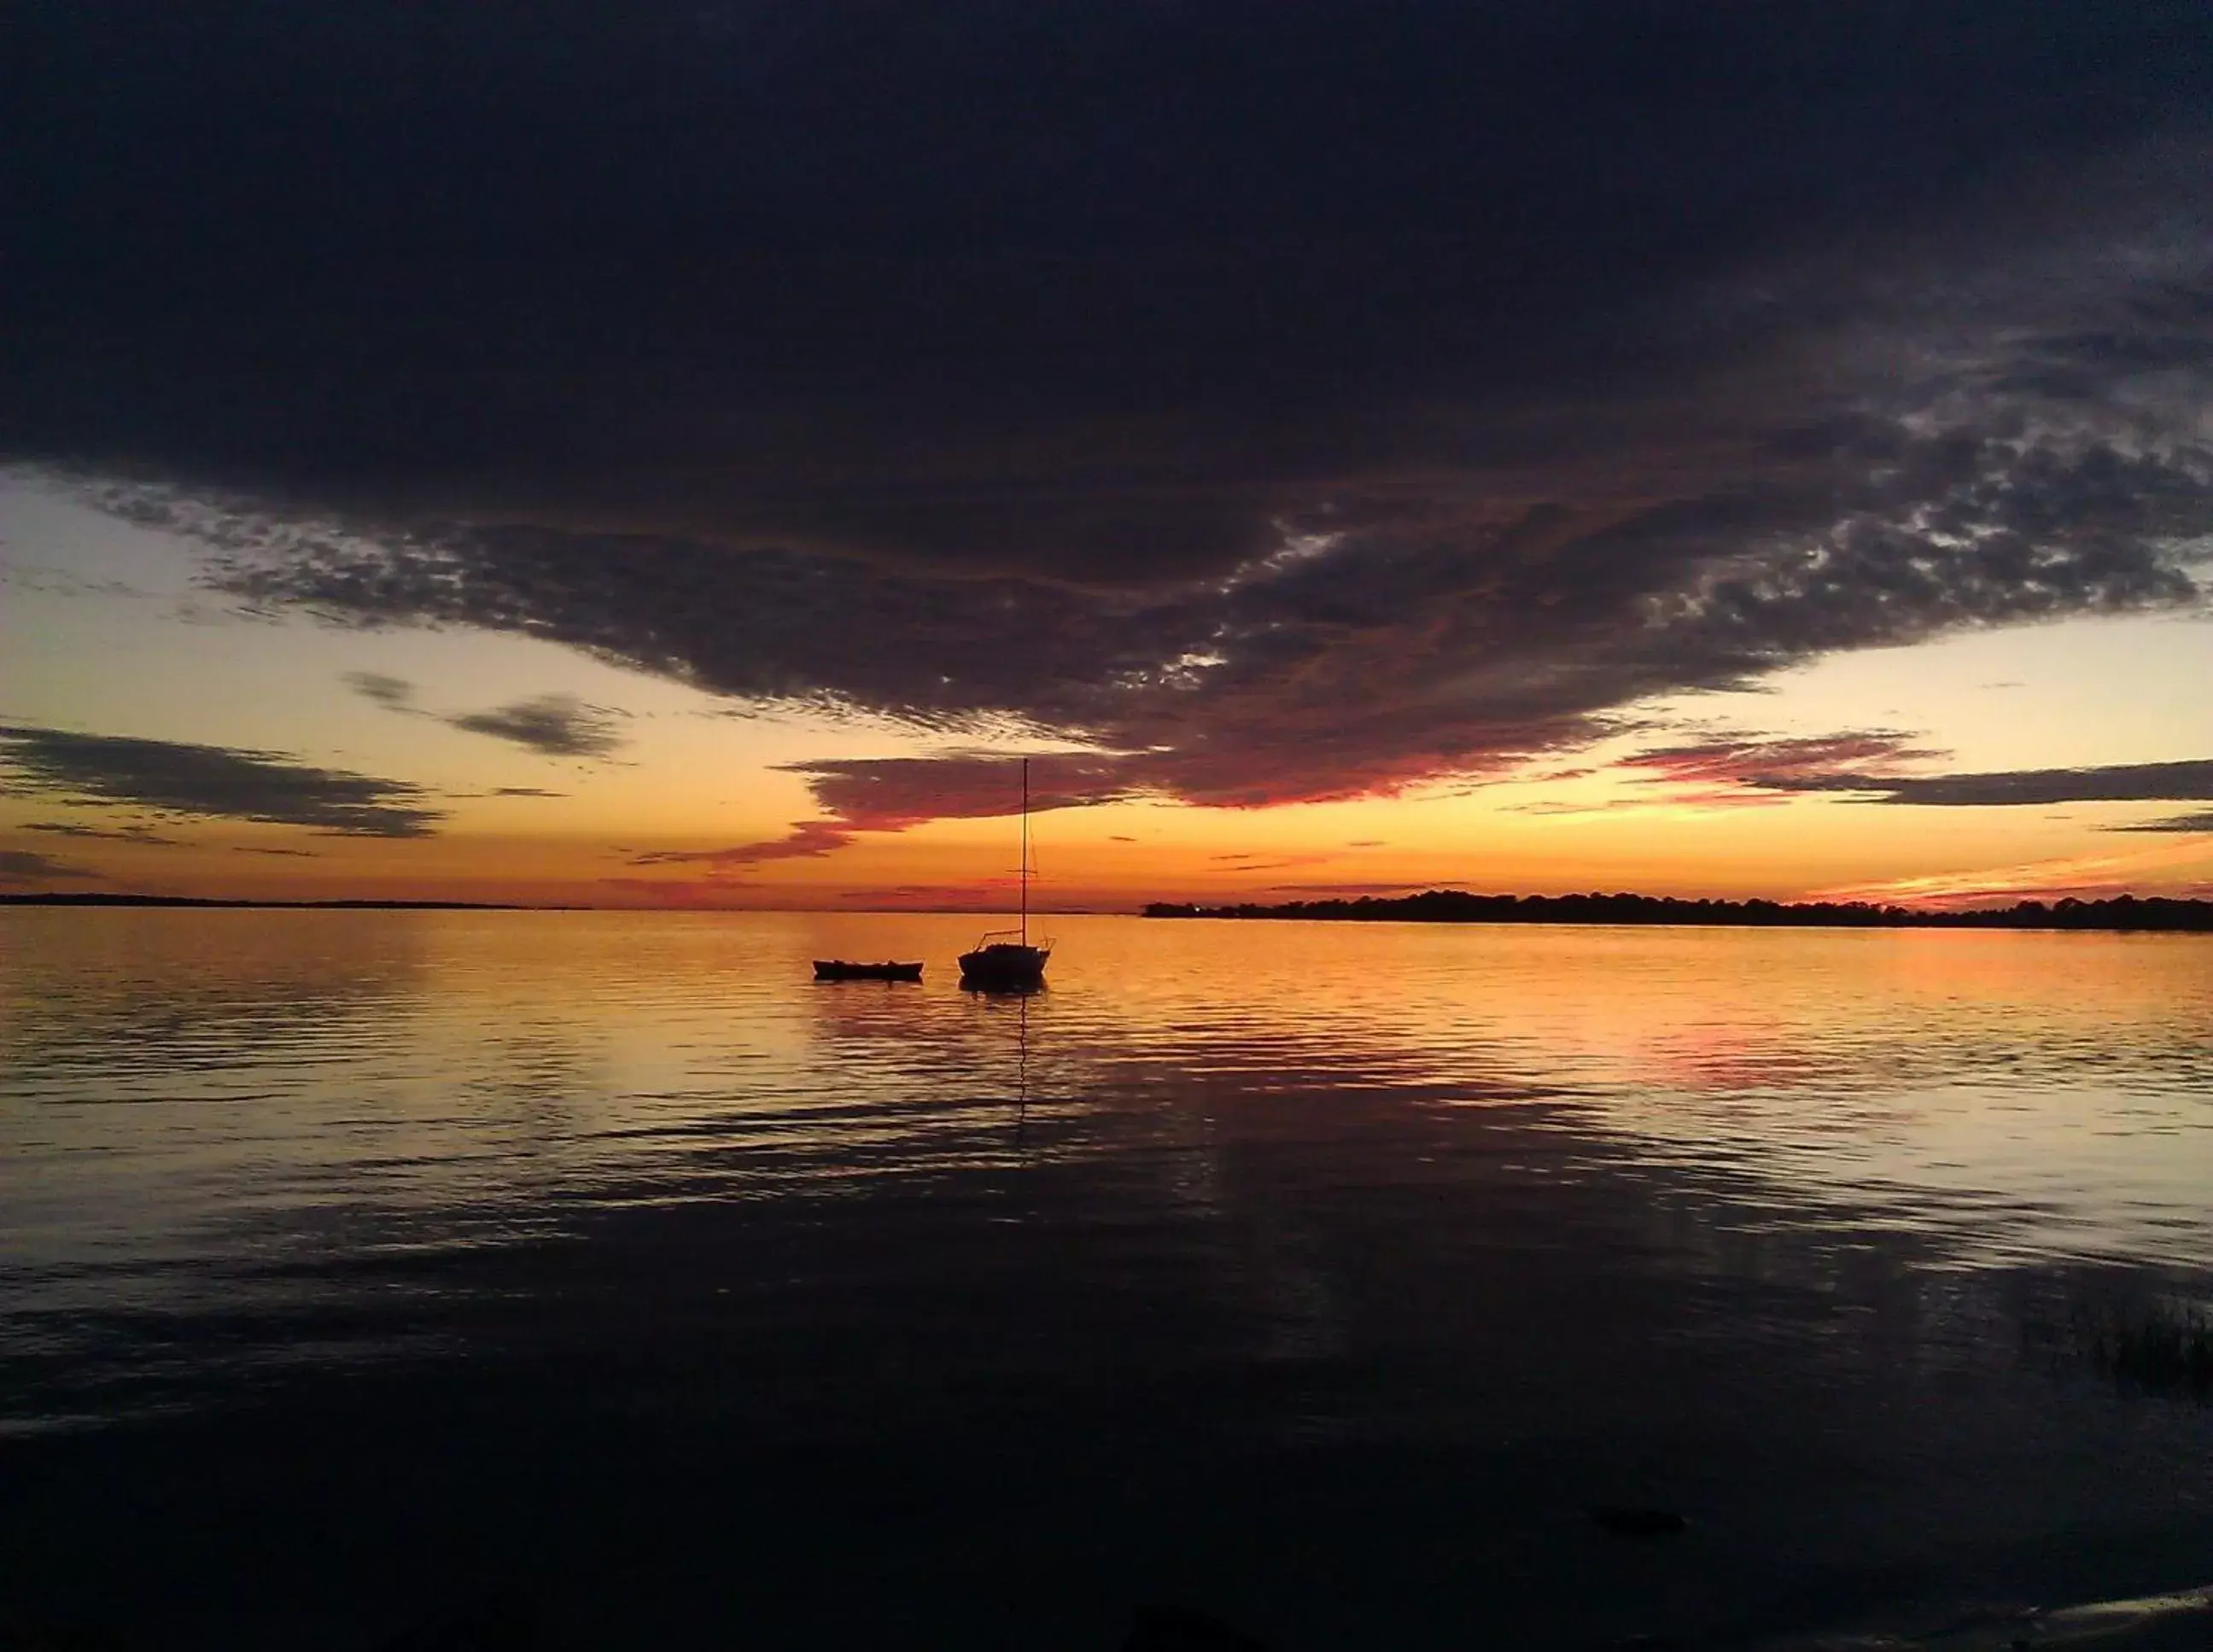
(1458, 906)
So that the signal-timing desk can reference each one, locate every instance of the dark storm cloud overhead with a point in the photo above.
(1093, 288)
(553, 725)
(178, 778)
(28, 866)
(1294, 401)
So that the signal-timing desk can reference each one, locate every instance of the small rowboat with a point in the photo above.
(837, 969)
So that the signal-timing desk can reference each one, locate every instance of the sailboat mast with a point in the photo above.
(1026, 852)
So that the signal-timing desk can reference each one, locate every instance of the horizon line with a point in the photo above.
(137, 898)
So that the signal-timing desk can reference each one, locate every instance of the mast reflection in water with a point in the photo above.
(362, 1272)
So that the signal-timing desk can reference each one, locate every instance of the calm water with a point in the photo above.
(602, 1277)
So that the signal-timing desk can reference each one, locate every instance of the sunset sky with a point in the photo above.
(653, 455)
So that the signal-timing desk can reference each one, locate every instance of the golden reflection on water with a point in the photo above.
(169, 1068)
(1760, 1221)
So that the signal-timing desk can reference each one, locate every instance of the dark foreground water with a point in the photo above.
(599, 1280)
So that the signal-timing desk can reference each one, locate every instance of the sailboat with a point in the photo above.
(1004, 961)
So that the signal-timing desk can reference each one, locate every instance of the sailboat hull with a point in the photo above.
(1004, 968)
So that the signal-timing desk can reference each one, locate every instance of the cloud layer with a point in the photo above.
(178, 778)
(1316, 400)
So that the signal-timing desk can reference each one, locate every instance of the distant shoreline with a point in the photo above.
(2123, 914)
(2128, 913)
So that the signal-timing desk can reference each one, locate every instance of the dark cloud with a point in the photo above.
(554, 725)
(28, 866)
(1316, 400)
(299, 854)
(215, 781)
(1858, 759)
(2005, 788)
(807, 838)
(129, 834)
(2201, 821)
(1865, 764)
(395, 693)
(808, 289)
(525, 791)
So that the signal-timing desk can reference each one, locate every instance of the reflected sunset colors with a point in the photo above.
(1458, 1229)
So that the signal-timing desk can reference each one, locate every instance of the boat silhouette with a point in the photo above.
(837, 969)
(1004, 961)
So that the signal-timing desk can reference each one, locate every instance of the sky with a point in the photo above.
(651, 455)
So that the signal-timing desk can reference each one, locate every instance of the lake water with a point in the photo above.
(598, 1279)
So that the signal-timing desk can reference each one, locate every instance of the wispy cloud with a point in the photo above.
(18, 866)
(129, 834)
(553, 725)
(1866, 766)
(807, 838)
(396, 693)
(2187, 780)
(1852, 761)
(2201, 820)
(219, 781)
